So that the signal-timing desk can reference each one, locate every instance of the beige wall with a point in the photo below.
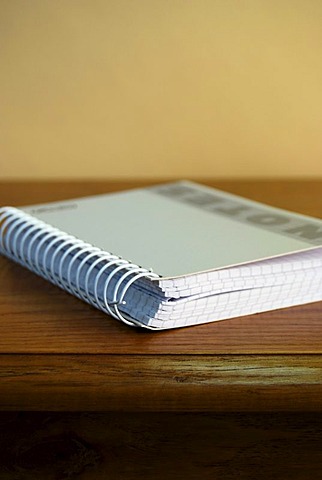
(160, 88)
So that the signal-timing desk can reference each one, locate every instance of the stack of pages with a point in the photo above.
(170, 255)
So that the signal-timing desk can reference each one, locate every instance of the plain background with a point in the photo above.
(160, 88)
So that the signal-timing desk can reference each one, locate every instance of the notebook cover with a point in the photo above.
(182, 228)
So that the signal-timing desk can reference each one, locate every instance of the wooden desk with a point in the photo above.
(218, 400)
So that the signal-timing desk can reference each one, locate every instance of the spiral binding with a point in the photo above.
(23, 237)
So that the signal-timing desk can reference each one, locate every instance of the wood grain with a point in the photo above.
(87, 446)
(57, 353)
(55, 322)
(199, 383)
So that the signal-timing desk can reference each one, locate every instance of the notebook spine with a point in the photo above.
(64, 260)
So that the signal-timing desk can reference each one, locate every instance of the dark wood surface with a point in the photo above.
(58, 353)
(84, 397)
(159, 446)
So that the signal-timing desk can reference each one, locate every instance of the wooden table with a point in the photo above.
(84, 396)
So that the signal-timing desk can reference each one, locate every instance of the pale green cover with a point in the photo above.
(175, 234)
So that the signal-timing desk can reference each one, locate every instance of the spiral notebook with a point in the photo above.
(170, 255)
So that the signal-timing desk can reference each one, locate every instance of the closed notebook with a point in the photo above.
(170, 255)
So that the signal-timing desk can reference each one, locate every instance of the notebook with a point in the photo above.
(172, 255)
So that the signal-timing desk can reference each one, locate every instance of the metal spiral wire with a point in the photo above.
(40, 247)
